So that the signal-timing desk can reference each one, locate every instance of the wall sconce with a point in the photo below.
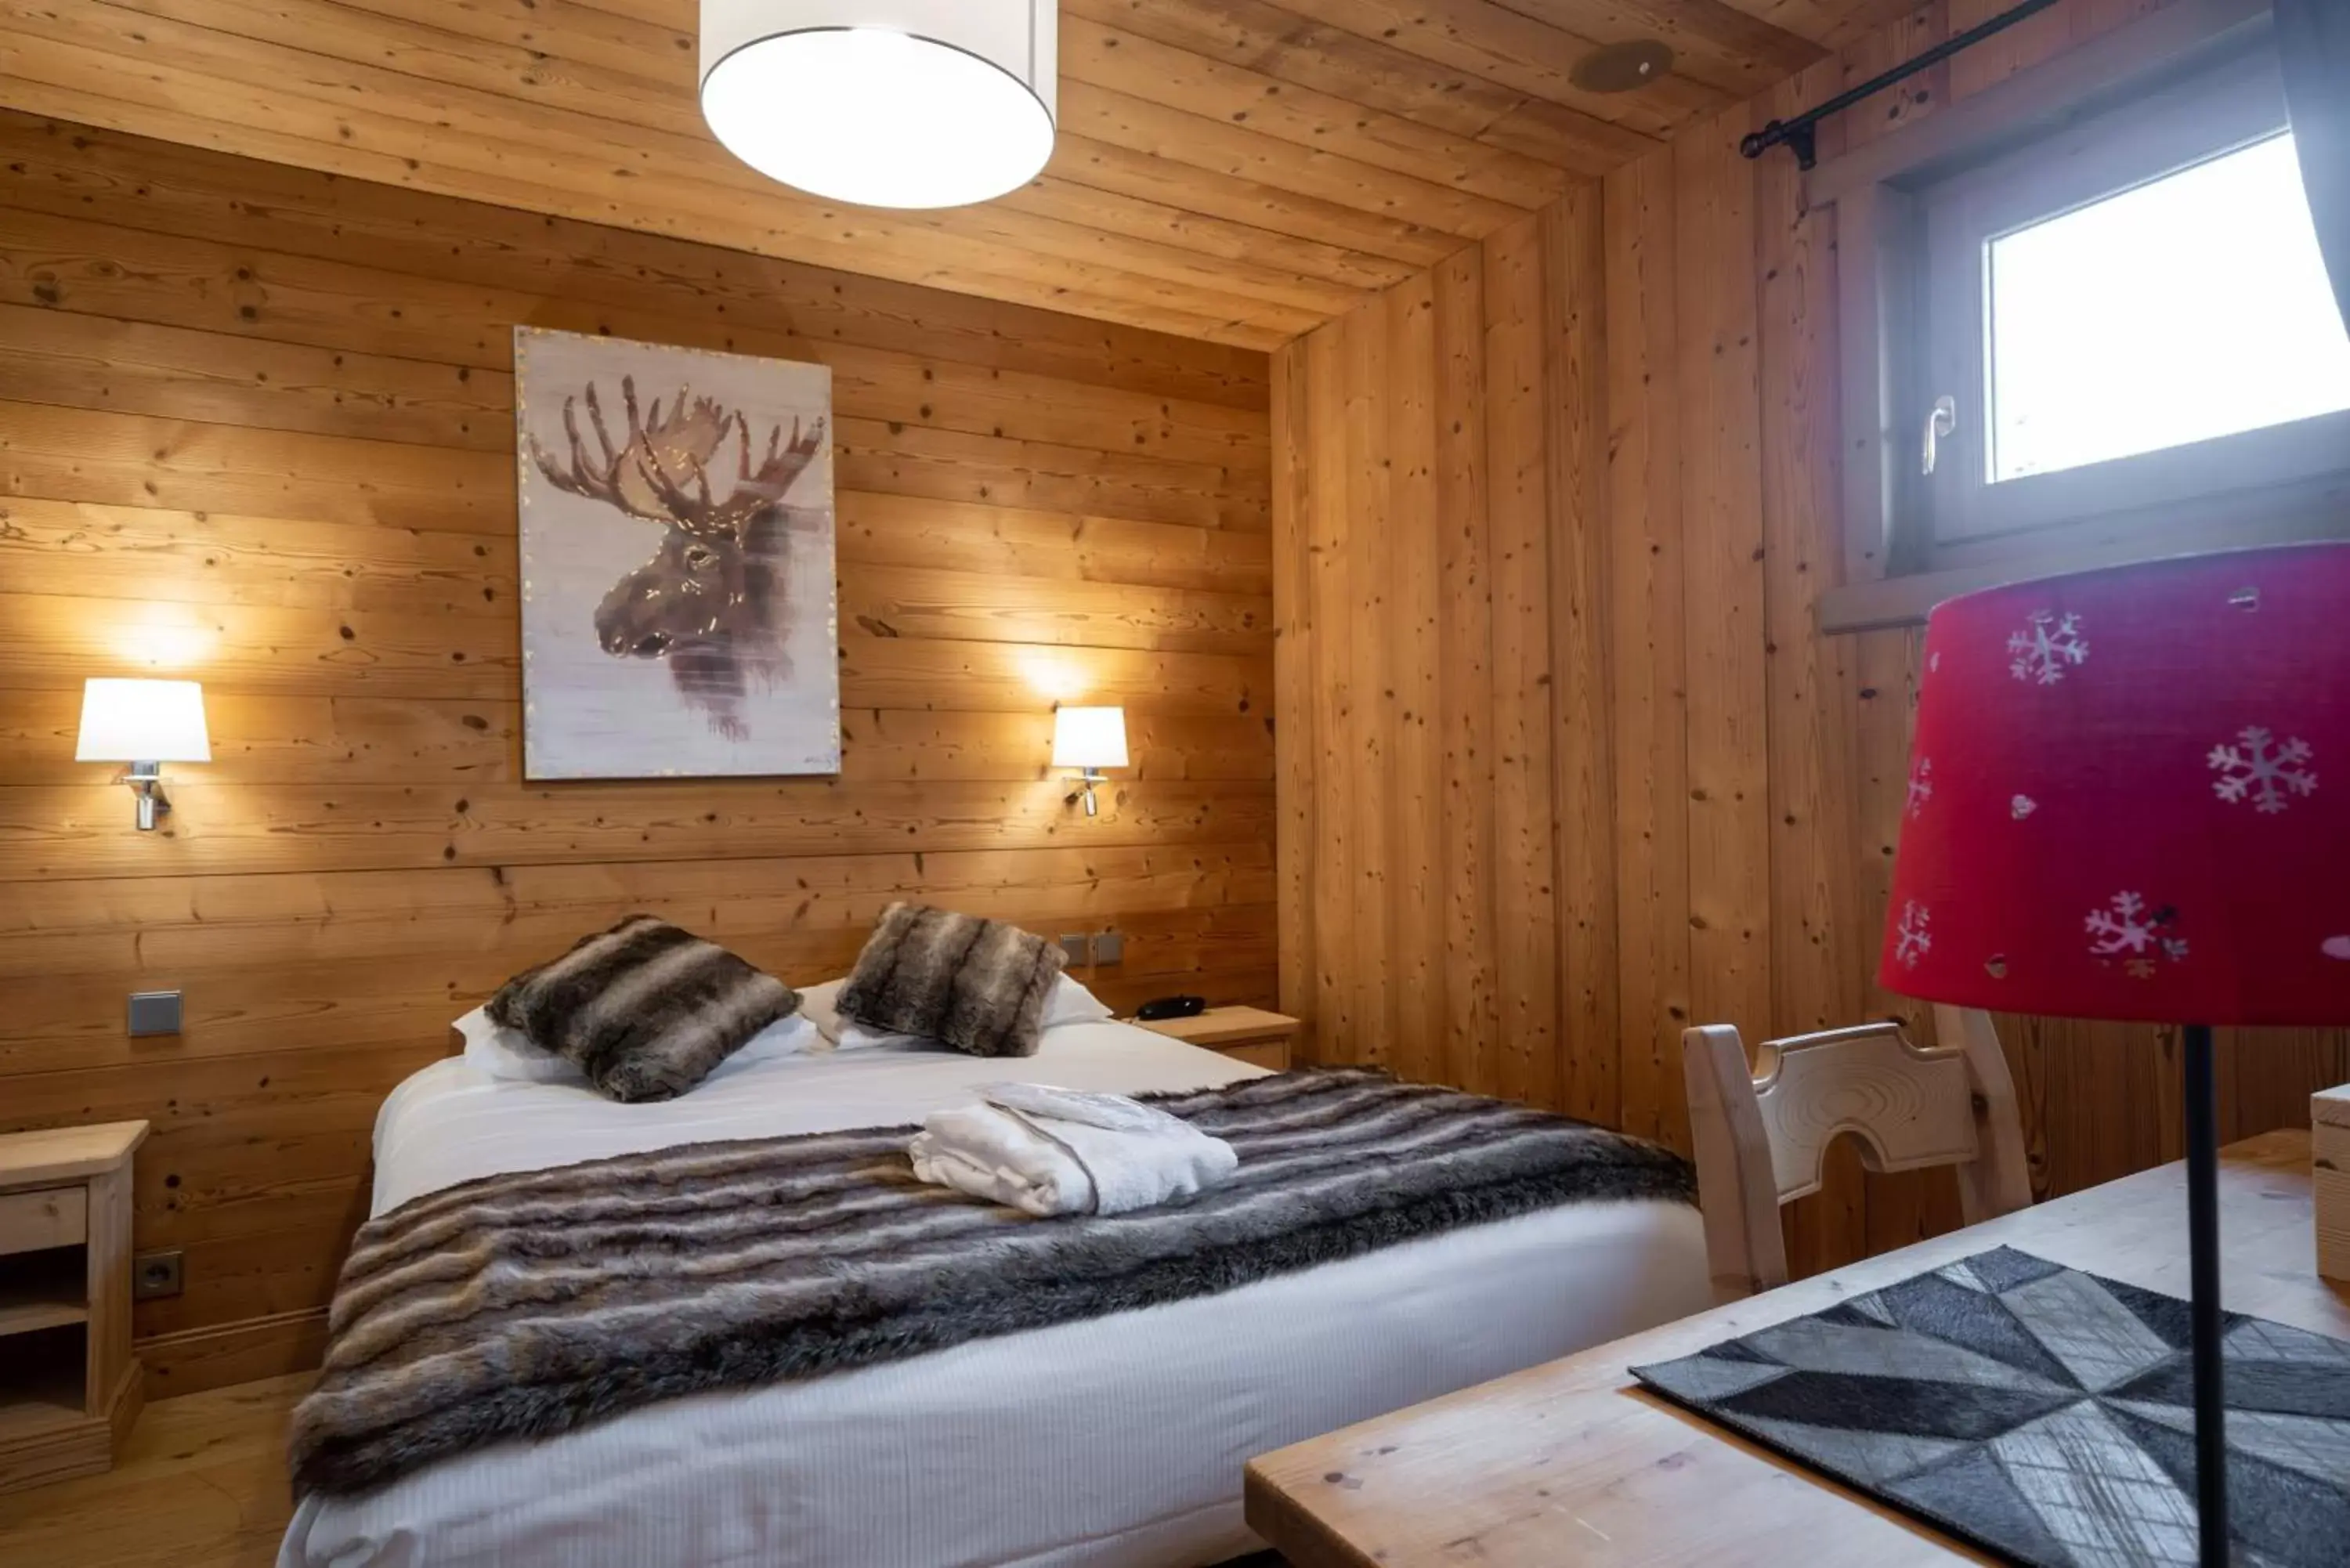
(145, 723)
(1089, 740)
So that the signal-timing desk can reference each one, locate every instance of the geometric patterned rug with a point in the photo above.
(2045, 1414)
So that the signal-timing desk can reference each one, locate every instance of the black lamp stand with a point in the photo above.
(2204, 1252)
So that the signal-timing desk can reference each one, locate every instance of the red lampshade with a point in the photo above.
(2129, 796)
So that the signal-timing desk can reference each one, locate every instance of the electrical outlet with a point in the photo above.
(1109, 946)
(154, 1275)
(1079, 947)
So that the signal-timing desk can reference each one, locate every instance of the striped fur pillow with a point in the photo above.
(645, 1009)
(977, 985)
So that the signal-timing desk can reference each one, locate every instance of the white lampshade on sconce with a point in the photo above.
(886, 103)
(1089, 740)
(145, 723)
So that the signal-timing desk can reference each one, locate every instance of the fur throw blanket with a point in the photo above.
(527, 1304)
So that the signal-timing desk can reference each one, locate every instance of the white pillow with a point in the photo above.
(501, 1053)
(790, 1035)
(820, 1005)
(1073, 1003)
(1070, 1003)
(855, 1036)
(508, 1054)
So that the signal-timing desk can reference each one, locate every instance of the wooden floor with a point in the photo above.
(202, 1485)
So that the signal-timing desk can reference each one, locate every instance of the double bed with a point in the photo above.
(1117, 1439)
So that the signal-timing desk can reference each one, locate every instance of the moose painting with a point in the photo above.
(677, 561)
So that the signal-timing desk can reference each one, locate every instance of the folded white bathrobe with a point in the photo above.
(1057, 1151)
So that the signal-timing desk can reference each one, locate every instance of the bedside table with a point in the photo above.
(1251, 1033)
(69, 1387)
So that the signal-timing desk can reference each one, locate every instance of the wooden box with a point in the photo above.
(2329, 1114)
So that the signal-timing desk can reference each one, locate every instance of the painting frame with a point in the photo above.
(677, 550)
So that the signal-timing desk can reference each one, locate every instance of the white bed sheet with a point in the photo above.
(1117, 1440)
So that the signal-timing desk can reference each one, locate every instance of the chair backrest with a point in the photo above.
(1762, 1132)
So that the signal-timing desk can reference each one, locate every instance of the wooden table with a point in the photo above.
(1570, 1463)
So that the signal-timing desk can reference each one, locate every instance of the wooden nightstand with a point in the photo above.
(1251, 1033)
(69, 1388)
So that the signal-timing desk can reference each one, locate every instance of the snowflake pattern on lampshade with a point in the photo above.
(1912, 938)
(2260, 769)
(2139, 835)
(1921, 785)
(2046, 645)
(2128, 929)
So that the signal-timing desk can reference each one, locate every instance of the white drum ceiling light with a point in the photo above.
(886, 103)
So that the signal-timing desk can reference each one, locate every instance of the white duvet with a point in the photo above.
(1117, 1440)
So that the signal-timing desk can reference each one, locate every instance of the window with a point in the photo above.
(2130, 318)
(2190, 307)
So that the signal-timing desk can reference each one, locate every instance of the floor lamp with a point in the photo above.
(2114, 811)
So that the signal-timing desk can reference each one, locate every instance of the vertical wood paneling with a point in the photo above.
(1472, 1009)
(1575, 348)
(1333, 683)
(1649, 686)
(1818, 938)
(1636, 410)
(1415, 770)
(1817, 943)
(1722, 609)
(1517, 469)
(1293, 668)
(1453, 487)
(1371, 713)
(2099, 1099)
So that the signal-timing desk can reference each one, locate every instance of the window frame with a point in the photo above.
(1896, 569)
(2222, 111)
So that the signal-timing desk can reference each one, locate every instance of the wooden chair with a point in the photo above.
(1762, 1133)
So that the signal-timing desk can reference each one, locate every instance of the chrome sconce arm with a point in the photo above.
(1086, 782)
(146, 782)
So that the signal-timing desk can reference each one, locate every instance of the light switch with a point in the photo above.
(1076, 945)
(154, 1013)
(1109, 946)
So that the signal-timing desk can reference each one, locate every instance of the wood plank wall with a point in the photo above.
(1440, 460)
(1565, 764)
(255, 425)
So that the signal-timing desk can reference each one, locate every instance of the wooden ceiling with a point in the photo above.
(1233, 170)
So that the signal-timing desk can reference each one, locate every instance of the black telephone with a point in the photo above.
(1163, 1007)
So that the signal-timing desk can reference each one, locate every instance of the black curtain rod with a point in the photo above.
(1801, 132)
